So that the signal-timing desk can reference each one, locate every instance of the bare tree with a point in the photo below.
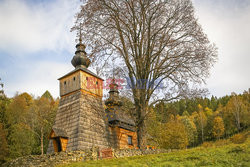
(1, 90)
(157, 44)
(237, 108)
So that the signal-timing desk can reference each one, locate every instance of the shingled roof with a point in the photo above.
(120, 117)
(59, 132)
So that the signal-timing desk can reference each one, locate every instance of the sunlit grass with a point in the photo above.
(224, 156)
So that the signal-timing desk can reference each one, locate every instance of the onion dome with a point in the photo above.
(115, 113)
(113, 99)
(80, 59)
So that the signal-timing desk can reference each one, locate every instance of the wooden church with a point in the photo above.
(81, 121)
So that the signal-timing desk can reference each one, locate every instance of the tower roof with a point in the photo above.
(80, 59)
(115, 113)
(82, 69)
(113, 99)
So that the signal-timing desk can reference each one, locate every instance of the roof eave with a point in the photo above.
(81, 69)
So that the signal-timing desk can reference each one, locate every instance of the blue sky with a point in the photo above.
(36, 45)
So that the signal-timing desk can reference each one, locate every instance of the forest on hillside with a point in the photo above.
(25, 122)
(191, 122)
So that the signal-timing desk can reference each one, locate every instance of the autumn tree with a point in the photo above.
(155, 128)
(209, 125)
(218, 127)
(45, 112)
(25, 124)
(190, 128)
(201, 121)
(173, 134)
(4, 102)
(154, 44)
(237, 109)
(246, 102)
(20, 138)
(228, 118)
(3, 144)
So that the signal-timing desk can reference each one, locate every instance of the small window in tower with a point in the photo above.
(87, 78)
(130, 140)
(74, 78)
(64, 82)
(96, 82)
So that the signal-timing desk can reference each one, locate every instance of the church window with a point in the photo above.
(64, 82)
(130, 140)
(87, 78)
(74, 78)
(96, 82)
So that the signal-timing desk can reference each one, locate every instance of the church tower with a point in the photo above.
(122, 130)
(80, 119)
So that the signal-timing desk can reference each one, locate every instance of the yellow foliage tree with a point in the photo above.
(238, 110)
(3, 144)
(174, 135)
(190, 128)
(218, 127)
(200, 120)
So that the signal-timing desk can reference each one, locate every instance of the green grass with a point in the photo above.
(224, 156)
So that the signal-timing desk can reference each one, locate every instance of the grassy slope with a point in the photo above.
(227, 155)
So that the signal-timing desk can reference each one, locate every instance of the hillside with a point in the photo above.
(219, 153)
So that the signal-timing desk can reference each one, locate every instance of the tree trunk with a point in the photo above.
(238, 120)
(202, 132)
(140, 125)
(141, 135)
(41, 140)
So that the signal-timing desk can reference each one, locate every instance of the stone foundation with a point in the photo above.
(75, 156)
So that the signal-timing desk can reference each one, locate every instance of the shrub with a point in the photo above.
(207, 144)
(222, 142)
(238, 138)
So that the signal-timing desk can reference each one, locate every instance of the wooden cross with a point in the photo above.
(79, 32)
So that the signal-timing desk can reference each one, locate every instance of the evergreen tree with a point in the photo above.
(47, 95)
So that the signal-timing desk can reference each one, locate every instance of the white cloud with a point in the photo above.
(227, 25)
(27, 28)
(31, 29)
(37, 78)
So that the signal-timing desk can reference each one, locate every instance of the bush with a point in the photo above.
(238, 138)
(207, 144)
(222, 142)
